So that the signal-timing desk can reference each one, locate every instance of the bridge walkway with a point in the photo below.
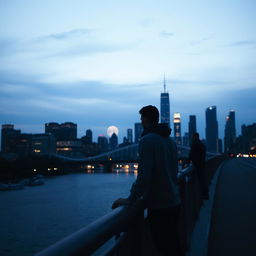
(129, 227)
(233, 222)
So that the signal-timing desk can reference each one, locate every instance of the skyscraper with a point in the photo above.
(8, 139)
(89, 135)
(246, 143)
(62, 132)
(68, 131)
(230, 131)
(138, 128)
(113, 141)
(165, 106)
(191, 126)
(177, 128)
(102, 143)
(211, 130)
(185, 140)
(129, 135)
(53, 128)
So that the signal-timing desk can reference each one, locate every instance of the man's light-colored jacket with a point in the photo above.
(157, 172)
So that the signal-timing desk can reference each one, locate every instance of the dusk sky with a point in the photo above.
(96, 63)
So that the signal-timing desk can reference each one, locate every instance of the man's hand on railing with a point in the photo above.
(119, 202)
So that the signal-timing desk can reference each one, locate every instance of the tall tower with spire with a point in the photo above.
(165, 106)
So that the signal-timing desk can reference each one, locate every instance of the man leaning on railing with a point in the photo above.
(157, 182)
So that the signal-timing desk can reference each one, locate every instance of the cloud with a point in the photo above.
(45, 44)
(166, 34)
(90, 104)
(67, 35)
(200, 41)
(12, 77)
(244, 98)
(24, 92)
(147, 22)
(5, 43)
(82, 101)
(242, 43)
(10, 46)
(86, 49)
(73, 43)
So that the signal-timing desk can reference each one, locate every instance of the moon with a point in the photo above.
(111, 130)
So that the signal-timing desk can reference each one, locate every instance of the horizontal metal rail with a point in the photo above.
(88, 239)
(127, 220)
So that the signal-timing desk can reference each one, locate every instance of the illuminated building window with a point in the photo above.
(64, 149)
(37, 143)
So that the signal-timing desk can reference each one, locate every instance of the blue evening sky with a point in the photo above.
(96, 63)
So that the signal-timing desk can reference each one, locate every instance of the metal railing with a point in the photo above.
(128, 224)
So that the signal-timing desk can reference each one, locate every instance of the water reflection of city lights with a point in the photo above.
(126, 168)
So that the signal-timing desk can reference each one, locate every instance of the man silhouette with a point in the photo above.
(157, 182)
(197, 156)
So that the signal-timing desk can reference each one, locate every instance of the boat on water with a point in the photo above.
(10, 186)
(34, 181)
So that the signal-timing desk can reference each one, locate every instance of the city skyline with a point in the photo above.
(103, 61)
(63, 138)
(183, 132)
(188, 131)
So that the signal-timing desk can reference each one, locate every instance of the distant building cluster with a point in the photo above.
(245, 143)
(62, 138)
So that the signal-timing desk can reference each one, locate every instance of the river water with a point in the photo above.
(36, 217)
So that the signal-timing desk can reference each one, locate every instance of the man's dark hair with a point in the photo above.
(151, 113)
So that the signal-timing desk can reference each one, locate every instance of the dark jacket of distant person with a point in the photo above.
(158, 168)
(197, 153)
